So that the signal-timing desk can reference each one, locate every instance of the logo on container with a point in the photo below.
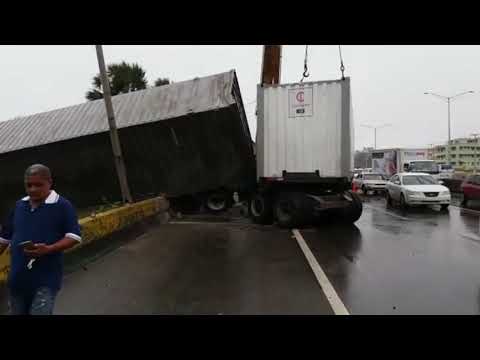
(300, 102)
(301, 96)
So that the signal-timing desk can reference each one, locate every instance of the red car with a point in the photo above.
(471, 188)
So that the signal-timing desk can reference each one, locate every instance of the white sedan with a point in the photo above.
(370, 182)
(411, 189)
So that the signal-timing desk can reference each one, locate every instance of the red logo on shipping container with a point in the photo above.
(300, 96)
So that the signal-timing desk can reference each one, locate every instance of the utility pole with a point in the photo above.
(116, 148)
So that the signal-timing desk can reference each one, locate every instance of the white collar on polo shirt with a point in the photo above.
(51, 199)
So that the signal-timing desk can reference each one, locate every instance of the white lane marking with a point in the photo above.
(332, 297)
(386, 212)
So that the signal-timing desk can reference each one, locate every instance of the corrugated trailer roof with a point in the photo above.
(135, 108)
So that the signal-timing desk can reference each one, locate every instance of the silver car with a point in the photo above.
(412, 189)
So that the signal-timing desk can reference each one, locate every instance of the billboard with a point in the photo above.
(409, 155)
(385, 162)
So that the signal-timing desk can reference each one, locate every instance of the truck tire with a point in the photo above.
(260, 209)
(218, 201)
(353, 212)
(186, 204)
(292, 210)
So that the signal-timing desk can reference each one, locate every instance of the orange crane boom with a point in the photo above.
(271, 64)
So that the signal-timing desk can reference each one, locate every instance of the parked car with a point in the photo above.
(370, 182)
(412, 189)
(471, 189)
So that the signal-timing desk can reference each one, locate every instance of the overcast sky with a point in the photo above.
(388, 82)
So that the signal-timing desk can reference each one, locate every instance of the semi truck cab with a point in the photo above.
(423, 166)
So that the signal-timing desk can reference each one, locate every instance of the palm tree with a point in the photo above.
(123, 78)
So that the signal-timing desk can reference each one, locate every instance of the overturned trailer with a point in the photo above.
(187, 138)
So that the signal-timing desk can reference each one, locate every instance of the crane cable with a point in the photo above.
(305, 65)
(342, 67)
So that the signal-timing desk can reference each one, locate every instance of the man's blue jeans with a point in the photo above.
(41, 302)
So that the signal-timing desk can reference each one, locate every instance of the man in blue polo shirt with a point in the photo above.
(50, 222)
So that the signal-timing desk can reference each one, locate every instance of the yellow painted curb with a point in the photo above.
(104, 224)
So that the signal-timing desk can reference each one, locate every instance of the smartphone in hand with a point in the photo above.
(28, 245)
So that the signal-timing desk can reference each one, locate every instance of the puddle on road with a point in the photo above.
(392, 229)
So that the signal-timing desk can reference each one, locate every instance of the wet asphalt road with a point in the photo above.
(420, 262)
(198, 269)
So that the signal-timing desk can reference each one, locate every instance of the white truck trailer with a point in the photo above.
(391, 161)
(304, 150)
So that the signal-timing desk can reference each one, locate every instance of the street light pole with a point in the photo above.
(117, 150)
(449, 99)
(449, 131)
(375, 132)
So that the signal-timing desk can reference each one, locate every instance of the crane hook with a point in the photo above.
(305, 66)
(306, 73)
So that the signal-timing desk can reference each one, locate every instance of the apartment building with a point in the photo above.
(464, 153)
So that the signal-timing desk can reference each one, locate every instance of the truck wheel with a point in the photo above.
(260, 209)
(353, 212)
(291, 210)
(218, 201)
(444, 207)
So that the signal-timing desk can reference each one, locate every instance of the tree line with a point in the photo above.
(123, 78)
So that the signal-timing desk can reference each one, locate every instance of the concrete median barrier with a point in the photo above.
(98, 226)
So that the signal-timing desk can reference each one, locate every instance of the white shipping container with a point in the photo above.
(304, 127)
